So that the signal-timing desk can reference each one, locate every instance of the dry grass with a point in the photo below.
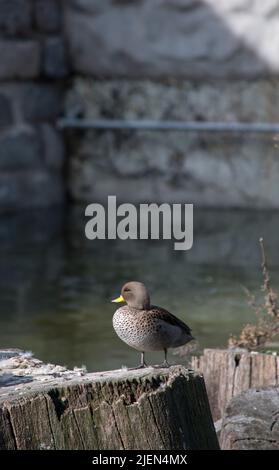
(255, 336)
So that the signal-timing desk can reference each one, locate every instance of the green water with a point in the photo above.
(56, 287)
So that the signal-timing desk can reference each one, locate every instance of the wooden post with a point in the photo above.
(251, 421)
(228, 373)
(49, 407)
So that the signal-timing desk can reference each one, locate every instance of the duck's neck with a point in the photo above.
(142, 304)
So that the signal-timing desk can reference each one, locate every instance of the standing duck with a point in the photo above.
(146, 327)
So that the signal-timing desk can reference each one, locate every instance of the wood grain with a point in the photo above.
(122, 409)
(227, 373)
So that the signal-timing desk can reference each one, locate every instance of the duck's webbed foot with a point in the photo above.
(142, 364)
(165, 363)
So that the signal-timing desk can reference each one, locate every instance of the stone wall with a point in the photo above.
(188, 38)
(166, 59)
(33, 68)
(208, 170)
(198, 60)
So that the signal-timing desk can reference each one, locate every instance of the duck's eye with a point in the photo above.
(127, 290)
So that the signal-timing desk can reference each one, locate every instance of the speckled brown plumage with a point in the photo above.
(147, 327)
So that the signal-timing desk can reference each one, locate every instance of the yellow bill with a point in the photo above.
(119, 299)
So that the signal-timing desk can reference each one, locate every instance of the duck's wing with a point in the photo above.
(169, 318)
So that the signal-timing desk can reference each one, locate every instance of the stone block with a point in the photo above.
(40, 102)
(205, 168)
(30, 189)
(20, 148)
(206, 100)
(19, 59)
(53, 147)
(15, 17)
(6, 114)
(34, 101)
(186, 38)
(48, 15)
(54, 53)
(173, 166)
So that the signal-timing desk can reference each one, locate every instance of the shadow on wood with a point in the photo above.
(140, 409)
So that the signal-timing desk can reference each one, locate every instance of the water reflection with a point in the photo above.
(55, 286)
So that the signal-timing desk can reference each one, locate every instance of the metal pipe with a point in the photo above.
(152, 125)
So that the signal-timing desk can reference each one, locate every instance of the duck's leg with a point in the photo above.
(165, 363)
(142, 362)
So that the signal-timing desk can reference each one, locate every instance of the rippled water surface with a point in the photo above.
(56, 287)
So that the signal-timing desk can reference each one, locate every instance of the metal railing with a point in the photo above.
(153, 125)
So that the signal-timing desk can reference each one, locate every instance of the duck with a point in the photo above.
(146, 327)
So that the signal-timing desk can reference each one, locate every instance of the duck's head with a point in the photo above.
(135, 295)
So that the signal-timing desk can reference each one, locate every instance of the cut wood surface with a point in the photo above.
(251, 421)
(43, 406)
(230, 372)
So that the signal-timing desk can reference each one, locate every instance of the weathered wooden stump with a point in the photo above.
(251, 421)
(228, 373)
(49, 407)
